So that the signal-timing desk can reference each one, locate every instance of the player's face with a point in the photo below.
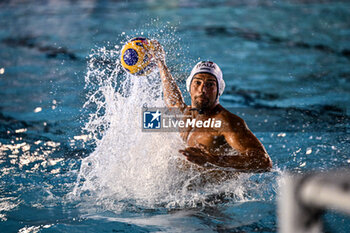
(203, 91)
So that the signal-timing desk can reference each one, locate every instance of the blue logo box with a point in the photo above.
(152, 119)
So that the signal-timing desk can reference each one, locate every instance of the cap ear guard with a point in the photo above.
(210, 68)
(222, 86)
(188, 83)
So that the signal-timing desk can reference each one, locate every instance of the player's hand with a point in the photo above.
(157, 52)
(197, 155)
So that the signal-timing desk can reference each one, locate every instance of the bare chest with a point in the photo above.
(212, 141)
(207, 136)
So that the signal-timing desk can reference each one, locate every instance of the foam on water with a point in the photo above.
(131, 168)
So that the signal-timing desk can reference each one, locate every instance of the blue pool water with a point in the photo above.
(72, 154)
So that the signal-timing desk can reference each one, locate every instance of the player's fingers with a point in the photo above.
(192, 149)
(185, 153)
(191, 152)
(203, 148)
(154, 42)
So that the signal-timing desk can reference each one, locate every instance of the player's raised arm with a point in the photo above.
(172, 94)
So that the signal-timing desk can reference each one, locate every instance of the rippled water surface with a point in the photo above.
(73, 157)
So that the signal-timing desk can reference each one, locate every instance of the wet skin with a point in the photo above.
(231, 145)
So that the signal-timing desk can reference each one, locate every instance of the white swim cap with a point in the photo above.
(210, 68)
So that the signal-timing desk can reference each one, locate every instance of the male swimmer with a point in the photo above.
(211, 146)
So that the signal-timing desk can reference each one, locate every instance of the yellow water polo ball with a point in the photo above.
(136, 58)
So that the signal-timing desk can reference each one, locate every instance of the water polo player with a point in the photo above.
(233, 144)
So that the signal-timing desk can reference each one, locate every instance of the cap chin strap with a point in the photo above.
(200, 111)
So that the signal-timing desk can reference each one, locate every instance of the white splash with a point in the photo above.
(134, 168)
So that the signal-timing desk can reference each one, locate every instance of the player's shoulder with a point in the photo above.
(227, 115)
(231, 120)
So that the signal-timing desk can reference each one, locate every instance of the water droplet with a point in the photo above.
(20, 130)
(308, 151)
(38, 109)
